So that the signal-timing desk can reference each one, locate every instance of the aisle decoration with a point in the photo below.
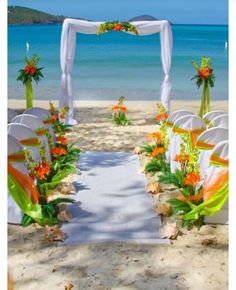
(46, 177)
(156, 150)
(29, 73)
(205, 78)
(57, 120)
(119, 113)
(116, 26)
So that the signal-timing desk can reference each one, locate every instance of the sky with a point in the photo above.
(176, 11)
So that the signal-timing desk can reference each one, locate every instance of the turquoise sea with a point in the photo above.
(116, 64)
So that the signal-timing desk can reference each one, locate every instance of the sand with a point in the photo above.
(196, 260)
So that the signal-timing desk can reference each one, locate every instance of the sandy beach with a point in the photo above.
(198, 259)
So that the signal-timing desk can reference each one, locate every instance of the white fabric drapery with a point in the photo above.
(68, 46)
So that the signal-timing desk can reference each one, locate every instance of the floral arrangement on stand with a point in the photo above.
(119, 113)
(116, 26)
(48, 176)
(205, 78)
(29, 73)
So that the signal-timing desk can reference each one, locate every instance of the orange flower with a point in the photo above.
(192, 178)
(123, 109)
(154, 135)
(62, 116)
(30, 70)
(42, 170)
(204, 72)
(58, 151)
(115, 108)
(157, 151)
(117, 27)
(181, 158)
(53, 117)
(62, 140)
(160, 117)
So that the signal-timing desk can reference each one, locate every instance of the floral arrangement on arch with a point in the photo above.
(116, 26)
(119, 113)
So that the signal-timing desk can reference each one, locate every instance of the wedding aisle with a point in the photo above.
(113, 204)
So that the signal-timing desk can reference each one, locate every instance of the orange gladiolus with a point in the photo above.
(123, 109)
(181, 158)
(154, 135)
(53, 117)
(157, 151)
(58, 151)
(160, 117)
(42, 170)
(62, 116)
(62, 140)
(192, 179)
(115, 108)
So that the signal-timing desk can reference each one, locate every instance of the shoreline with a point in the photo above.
(132, 104)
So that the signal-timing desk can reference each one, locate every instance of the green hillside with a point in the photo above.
(23, 15)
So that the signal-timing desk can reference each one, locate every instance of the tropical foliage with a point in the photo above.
(116, 26)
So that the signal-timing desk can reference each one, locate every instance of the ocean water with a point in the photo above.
(116, 64)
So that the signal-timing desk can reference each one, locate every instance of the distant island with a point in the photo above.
(23, 15)
(18, 15)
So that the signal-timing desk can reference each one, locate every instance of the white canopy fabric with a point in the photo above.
(68, 46)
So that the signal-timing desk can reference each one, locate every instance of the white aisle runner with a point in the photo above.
(113, 204)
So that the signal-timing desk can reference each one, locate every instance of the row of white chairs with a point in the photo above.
(23, 131)
(207, 132)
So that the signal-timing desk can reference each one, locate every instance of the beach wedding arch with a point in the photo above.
(68, 46)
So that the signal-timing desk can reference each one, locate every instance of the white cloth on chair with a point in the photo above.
(221, 121)
(43, 115)
(14, 212)
(35, 124)
(11, 114)
(174, 139)
(206, 142)
(22, 132)
(208, 117)
(189, 123)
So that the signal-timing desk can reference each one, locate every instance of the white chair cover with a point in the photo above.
(188, 123)
(221, 121)
(43, 115)
(35, 124)
(218, 159)
(14, 212)
(174, 139)
(23, 132)
(11, 114)
(206, 142)
(208, 117)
